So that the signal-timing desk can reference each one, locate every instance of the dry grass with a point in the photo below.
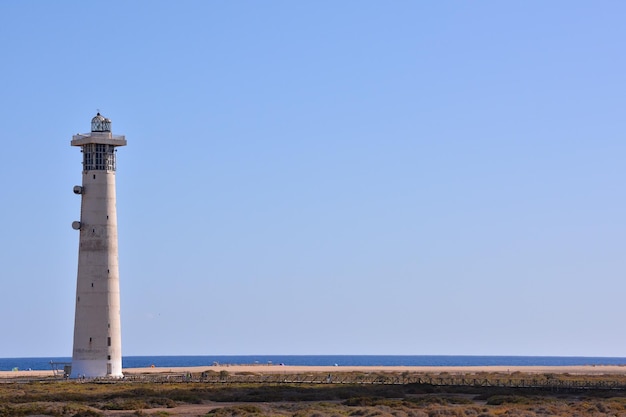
(68, 398)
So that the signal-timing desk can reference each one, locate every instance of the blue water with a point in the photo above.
(7, 364)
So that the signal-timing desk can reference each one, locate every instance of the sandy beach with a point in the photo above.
(286, 369)
(277, 369)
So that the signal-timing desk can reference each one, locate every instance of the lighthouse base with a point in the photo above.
(96, 369)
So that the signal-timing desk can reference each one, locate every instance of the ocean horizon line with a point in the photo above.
(243, 355)
(175, 361)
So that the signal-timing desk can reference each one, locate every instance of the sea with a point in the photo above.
(8, 364)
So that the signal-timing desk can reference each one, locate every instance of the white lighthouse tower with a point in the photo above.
(97, 331)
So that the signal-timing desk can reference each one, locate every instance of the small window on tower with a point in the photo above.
(94, 176)
(92, 285)
(109, 357)
(108, 341)
(90, 340)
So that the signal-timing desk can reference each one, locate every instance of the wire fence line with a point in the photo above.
(449, 381)
(551, 383)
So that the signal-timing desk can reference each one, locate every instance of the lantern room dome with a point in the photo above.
(100, 124)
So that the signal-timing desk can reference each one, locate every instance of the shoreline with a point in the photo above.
(292, 369)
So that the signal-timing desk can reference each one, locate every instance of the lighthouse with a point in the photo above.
(97, 331)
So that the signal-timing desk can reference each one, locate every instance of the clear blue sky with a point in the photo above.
(323, 177)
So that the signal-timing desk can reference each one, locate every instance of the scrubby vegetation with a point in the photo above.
(226, 399)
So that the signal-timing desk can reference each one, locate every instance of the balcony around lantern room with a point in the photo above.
(105, 138)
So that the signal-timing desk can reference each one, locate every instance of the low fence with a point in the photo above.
(448, 381)
(549, 381)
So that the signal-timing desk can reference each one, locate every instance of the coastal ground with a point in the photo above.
(38, 393)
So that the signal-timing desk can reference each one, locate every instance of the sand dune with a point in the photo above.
(582, 370)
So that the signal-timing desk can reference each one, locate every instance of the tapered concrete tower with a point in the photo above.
(97, 331)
